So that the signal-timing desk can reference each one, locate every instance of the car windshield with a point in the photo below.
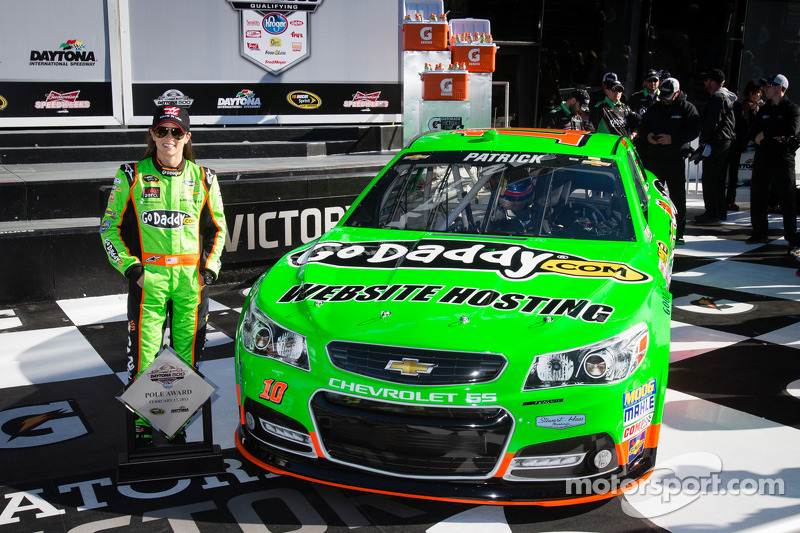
(497, 193)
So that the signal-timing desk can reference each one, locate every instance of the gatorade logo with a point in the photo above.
(474, 55)
(426, 33)
(275, 23)
(446, 85)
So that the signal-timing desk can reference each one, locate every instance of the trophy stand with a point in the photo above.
(166, 395)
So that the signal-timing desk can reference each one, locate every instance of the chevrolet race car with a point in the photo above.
(488, 323)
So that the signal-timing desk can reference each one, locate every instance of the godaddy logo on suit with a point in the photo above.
(166, 219)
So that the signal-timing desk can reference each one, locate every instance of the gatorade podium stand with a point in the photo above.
(433, 100)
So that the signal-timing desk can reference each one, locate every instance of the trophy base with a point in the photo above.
(170, 462)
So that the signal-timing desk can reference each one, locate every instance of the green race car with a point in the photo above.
(488, 323)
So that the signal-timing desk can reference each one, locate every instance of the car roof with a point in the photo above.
(520, 140)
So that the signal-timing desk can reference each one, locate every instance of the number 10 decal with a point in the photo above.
(273, 390)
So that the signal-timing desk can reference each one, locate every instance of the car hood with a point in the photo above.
(466, 292)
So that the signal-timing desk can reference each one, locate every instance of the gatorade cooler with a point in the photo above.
(479, 57)
(426, 35)
(444, 84)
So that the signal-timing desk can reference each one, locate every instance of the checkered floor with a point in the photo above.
(732, 410)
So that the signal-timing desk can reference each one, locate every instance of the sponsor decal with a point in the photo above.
(3, 102)
(157, 411)
(274, 42)
(149, 178)
(104, 226)
(244, 99)
(415, 396)
(252, 34)
(636, 446)
(253, 46)
(40, 425)
(666, 206)
(165, 219)
(560, 421)
(576, 308)
(639, 402)
(513, 262)
(297, 47)
(274, 23)
(63, 101)
(544, 402)
(112, 252)
(110, 213)
(180, 409)
(173, 97)
(410, 367)
(304, 99)
(152, 259)
(166, 374)
(445, 123)
(638, 427)
(71, 53)
(151, 192)
(366, 100)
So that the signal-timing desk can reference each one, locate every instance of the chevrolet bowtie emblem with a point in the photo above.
(410, 367)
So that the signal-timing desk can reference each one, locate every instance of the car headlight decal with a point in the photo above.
(607, 361)
(264, 337)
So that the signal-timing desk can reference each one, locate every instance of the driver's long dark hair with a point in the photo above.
(150, 151)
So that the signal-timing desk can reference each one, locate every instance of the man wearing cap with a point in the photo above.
(611, 115)
(570, 114)
(774, 128)
(716, 134)
(641, 100)
(164, 229)
(668, 126)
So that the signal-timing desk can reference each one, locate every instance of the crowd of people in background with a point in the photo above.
(663, 124)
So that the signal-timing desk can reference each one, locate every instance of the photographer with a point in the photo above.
(774, 130)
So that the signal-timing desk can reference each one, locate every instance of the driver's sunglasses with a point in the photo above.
(161, 132)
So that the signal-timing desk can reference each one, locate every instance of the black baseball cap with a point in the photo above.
(668, 88)
(652, 75)
(611, 81)
(664, 74)
(716, 75)
(174, 114)
(582, 97)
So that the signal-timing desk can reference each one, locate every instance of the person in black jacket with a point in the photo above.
(612, 115)
(641, 100)
(774, 130)
(668, 126)
(570, 114)
(716, 134)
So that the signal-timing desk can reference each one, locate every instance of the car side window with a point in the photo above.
(639, 181)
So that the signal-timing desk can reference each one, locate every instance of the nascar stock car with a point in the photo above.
(489, 322)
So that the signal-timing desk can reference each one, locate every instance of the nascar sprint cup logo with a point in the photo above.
(164, 219)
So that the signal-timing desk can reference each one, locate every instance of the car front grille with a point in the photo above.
(411, 440)
(413, 366)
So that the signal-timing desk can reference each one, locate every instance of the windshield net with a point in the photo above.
(495, 193)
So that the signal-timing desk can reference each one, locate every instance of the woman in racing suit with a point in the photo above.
(164, 229)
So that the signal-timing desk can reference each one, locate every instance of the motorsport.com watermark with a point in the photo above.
(667, 488)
